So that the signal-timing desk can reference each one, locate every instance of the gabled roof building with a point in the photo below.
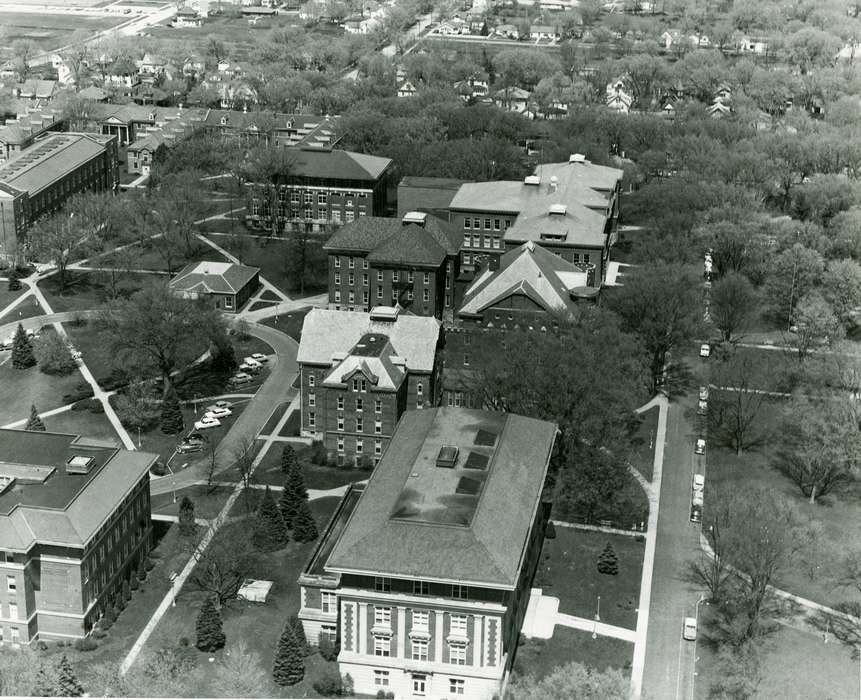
(228, 285)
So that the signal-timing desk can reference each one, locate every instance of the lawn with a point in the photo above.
(271, 257)
(316, 477)
(568, 571)
(642, 454)
(169, 555)
(539, 657)
(208, 502)
(50, 31)
(26, 309)
(796, 665)
(22, 388)
(289, 323)
(7, 297)
(146, 256)
(276, 416)
(86, 423)
(87, 290)
(292, 426)
(259, 625)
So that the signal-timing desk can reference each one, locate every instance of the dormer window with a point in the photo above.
(224, 120)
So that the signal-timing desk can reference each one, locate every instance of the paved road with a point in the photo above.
(670, 660)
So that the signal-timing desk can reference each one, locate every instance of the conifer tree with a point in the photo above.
(304, 527)
(22, 350)
(270, 532)
(295, 624)
(293, 495)
(14, 279)
(171, 413)
(187, 525)
(608, 562)
(34, 422)
(289, 666)
(288, 459)
(127, 590)
(210, 635)
(67, 684)
(45, 685)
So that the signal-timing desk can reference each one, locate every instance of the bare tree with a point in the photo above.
(223, 566)
(714, 571)
(267, 169)
(61, 240)
(243, 459)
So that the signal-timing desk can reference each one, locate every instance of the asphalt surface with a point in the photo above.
(669, 667)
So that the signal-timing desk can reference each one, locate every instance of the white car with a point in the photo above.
(216, 412)
(705, 350)
(702, 408)
(258, 356)
(252, 362)
(697, 499)
(222, 404)
(689, 631)
(700, 447)
(704, 393)
(699, 482)
(207, 422)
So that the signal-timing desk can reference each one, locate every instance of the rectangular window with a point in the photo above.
(487, 241)
(312, 400)
(457, 653)
(427, 278)
(425, 295)
(382, 614)
(575, 257)
(421, 619)
(341, 398)
(16, 635)
(378, 427)
(467, 259)
(311, 379)
(458, 591)
(321, 198)
(359, 424)
(379, 275)
(337, 261)
(419, 388)
(349, 216)
(476, 241)
(487, 224)
(455, 686)
(364, 263)
(11, 584)
(309, 197)
(340, 445)
(585, 257)
(13, 611)
(351, 298)
(294, 197)
(458, 625)
(337, 278)
(476, 224)
(448, 300)
(382, 646)
(311, 420)
(351, 279)
(363, 385)
(466, 225)
(329, 602)
(341, 423)
(336, 216)
(360, 446)
(378, 447)
(360, 403)
(410, 295)
(309, 213)
(411, 277)
(507, 223)
(381, 678)
(496, 224)
(379, 292)
(365, 279)
(496, 242)
(420, 650)
(465, 359)
(365, 297)
(378, 405)
(395, 276)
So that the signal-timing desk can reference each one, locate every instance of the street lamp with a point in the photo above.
(598, 611)
(139, 437)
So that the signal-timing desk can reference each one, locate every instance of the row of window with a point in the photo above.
(322, 197)
(360, 425)
(307, 213)
(474, 241)
(456, 686)
(489, 224)
(360, 446)
(351, 296)
(14, 635)
(383, 584)
(410, 277)
(419, 650)
(351, 263)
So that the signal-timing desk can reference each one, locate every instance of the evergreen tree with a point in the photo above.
(295, 624)
(288, 459)
(171, 413)
(608, 562)
(304, 527)
(187, 525)
(67, 684)
(34, 422)
(210, 636)
(22, 350)
(14, 280)
(293, 495)
(270, 532)
(289, 666)
(45, 685)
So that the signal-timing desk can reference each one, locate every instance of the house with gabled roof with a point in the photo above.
(424, 574)
(359, 371)
(228, 285)
(409, 262)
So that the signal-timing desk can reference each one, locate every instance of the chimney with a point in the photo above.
(79, 464)
(577, 158)
(532, 180)
(419, 218)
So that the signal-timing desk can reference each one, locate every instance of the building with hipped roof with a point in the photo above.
(359, 372)
(74, 524)
(20, 133)
(409, 262)
(432, 195)
(228, 285)
(424, 573)
(38, 180)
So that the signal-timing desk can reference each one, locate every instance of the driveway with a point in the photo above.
(669, 663)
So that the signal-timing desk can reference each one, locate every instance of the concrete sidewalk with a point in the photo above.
(542, 617)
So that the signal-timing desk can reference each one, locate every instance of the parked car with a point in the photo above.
(689, 630)
(702, 408)
(217, 412)
(704, 393)
(195, 437)
(239, 379)
(250, 369)
(8, 342)
(207, 422)
(697, 499)
(699, 482)
(185, 447)
(700, 447)
(705, 350)
(696, 513)
(223, 404)
(258, 356)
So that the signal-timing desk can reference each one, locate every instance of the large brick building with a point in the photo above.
(359, 372)
(424, 574)
(74, 523)
(409, 262)
(323, 188)
(38, 180)
(571, 209)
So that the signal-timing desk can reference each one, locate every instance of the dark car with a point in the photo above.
(696, 513)
(185, 447)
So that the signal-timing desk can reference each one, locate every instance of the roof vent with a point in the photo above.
(385, 314)
(558, 210)
(79, 464)
(577, 158)
(447, 456)
(554, 183)
(419, 218)
(534, 180)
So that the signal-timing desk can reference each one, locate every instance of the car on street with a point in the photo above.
(689, 630)
(258, 357)
(195, 437)
(222, 404)
(696, 513)
(239, 379)
(705, 350)
(699, 482)
(217, 412)
(697, 499)
(207, 422)
(704, 393)
(700, 447)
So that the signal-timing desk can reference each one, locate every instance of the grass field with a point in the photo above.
(86, 423)
(539, 657)
(21, 388)
(316, 477)
(28, 308)
(50, 31)
(289, 323)
(87, 290)
(568, 571)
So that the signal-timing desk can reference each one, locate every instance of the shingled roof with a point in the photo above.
(209, 277)
(469, 523)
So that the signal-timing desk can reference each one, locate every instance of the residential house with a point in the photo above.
(151, 64)
(324, 188)
(358, 24)
(307, 130)
(123, 74)
(617, 97)
(187, 17)
(476, 25)
(193, 66)
(475, 87)
(507, 31)
(514, 99)
(424, 574)
(452, 27)
(427, 194)
(670, 38)
(74, 526)
(409, 262)
(699, 41)
(170, 126)
(228, 285)
(718, 109)
(848, 52)
(544, 32)
(8, 70)
(406, 89)
(752, 44)
(38, 180)
(569, 208)
(359, 372)
(36, 90)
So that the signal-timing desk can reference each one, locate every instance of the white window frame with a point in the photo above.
(419, 650)
(382, 616)
(11, 584)
(340, 445)
(458, 624)
(420, 620)
(457, 653)
(456, 686)
(381, 678)
(328, 602)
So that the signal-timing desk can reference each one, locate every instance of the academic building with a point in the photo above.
(423, 575)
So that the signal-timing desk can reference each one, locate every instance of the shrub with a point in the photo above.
(61, 644)
(328, 649)
(53, 354)
(42, 646)
(120, 605)
(86, 644)
(329, 682)
(366, 463)
(134, 583)
(141, 573)
(318, 453)
(550, 530)
(99, 633)
(95, 406)
(608, 561)
(81, 391)
(184, 642)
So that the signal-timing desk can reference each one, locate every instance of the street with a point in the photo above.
(669, 668)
